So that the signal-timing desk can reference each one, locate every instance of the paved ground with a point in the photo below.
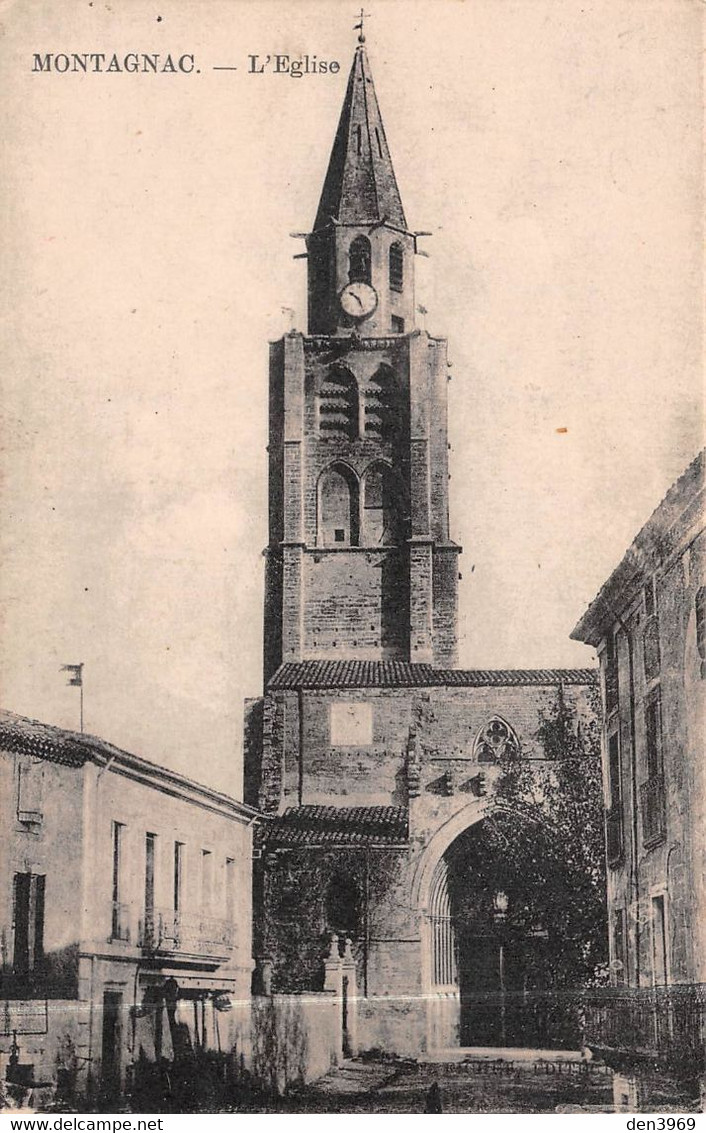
(473, 1087)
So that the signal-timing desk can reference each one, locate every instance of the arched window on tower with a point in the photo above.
(359, 260)
(381, 405)
(381, 506)
(338, 405)
(338, 501)
(343, 905)
(396, 267)
(496, 741)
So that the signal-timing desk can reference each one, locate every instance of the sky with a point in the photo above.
(551, 147)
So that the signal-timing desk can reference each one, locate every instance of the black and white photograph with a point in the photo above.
(352, 558)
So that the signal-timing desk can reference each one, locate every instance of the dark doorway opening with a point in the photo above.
(110, 1045)
(504, 969)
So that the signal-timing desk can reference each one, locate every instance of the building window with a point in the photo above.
(230, 889)
(338, 405)
(206, 880)
(178, 876)
(610, 673)
(351, 724)
(650, 599)
(359, 138)
(650, 648)
(397, 325)
(343, 905)
(659, 942)
(29, 792)
(652, 792)
(396, 267)
(359, 260)
(619, 963)
(495, 741)
(378, 139)
(614, 813)
(150, 855)
(650, 637)
(653, 736)
(28, 918)
(119, 918)
(338, 504)
(700, 607)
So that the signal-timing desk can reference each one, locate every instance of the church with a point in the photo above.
(374, 758)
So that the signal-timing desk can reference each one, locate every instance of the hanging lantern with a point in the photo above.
(500, 905)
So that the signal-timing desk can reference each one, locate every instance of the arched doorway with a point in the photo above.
(489, 971)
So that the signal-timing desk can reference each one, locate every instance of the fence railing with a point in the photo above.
(663, 1024)
(667, 1023)
(163, 930)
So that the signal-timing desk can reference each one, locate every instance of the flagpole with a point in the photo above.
(81, 698)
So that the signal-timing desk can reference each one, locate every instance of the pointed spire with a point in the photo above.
(360, 185)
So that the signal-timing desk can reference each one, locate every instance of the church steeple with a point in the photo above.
(360, 563)
(360, 185)
(360, 234)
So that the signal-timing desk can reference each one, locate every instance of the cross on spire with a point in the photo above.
(359, 27)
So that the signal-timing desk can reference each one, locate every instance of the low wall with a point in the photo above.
(397, 1025)
(295, 1038)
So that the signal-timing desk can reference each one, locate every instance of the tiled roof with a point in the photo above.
(43, 741)
(337, 826)
(73, 749)
(402, 674)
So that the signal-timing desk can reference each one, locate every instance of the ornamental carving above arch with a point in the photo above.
(496, 741)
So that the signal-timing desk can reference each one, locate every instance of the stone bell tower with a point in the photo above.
(360, 564)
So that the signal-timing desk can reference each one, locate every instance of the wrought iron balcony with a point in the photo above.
(614, 835)
(654, 814)
(167, 932)
(667, 1024)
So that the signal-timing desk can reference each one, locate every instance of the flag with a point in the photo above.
(76, 671)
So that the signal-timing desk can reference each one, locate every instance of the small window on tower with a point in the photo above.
(339, 535)
(359, 260)
(396, 267)
(397, 325)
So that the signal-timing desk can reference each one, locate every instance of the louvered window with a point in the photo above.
(338, 406)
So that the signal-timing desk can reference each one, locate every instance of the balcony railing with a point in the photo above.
(614, 835)
(667, 1024)
(169, 932)
(654, 816)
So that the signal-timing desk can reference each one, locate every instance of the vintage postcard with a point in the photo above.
(353, 589)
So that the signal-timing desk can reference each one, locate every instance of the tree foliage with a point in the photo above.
(546, 834)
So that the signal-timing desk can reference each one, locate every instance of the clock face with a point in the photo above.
(358, 300)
